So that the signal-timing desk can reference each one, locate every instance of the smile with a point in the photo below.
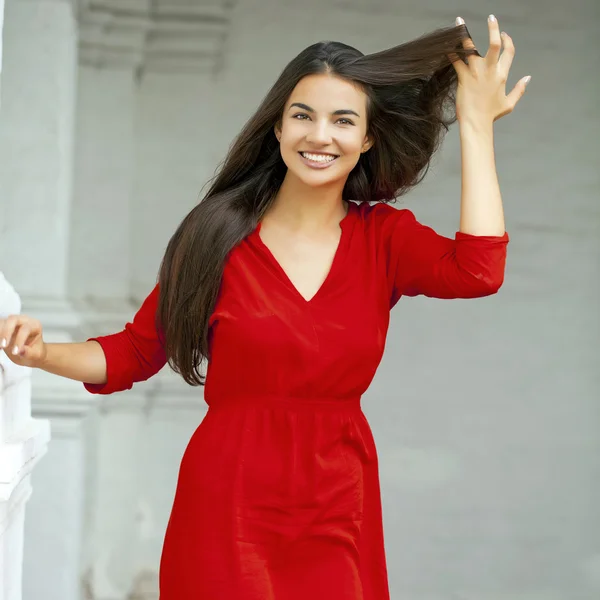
(317, 160)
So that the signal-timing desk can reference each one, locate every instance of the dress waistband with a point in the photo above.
(280, 401)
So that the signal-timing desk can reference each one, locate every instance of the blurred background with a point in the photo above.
(113, 116)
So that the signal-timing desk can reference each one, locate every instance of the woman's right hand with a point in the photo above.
(24, 334)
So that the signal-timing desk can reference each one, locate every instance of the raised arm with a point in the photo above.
(481, 100)
(472, 265)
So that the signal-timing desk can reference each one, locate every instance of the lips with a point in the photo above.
(318, 164)
(318, 153)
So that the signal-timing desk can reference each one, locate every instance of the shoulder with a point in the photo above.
(383, 218)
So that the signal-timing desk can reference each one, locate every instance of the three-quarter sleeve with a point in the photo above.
(419, 261)
(134, 354)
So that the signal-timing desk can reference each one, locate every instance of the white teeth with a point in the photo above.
(318, 157)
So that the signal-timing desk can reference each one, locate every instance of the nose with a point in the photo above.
(319, 133)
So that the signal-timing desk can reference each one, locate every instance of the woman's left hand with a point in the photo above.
(481, 92)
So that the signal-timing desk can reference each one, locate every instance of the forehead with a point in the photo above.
(327, 92)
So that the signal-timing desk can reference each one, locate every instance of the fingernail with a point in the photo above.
(3, 343)
(460, 21)
(16, 350)
(527, 79)
(491, 18)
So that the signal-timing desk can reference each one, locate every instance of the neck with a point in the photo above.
(305, 208)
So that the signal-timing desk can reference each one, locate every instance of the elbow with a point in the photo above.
(488, 285)
(483, 266)
(477, 281)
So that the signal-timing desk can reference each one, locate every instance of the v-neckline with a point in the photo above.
(334, 263)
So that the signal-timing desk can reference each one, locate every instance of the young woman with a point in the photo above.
(282, 279)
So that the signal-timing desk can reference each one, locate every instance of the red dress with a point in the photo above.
(278, 494)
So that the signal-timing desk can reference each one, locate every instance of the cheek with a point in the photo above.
(351, 144)
(288, 152)
(292, 133)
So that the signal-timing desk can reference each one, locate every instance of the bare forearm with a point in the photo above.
(83, 362)
(481, 210)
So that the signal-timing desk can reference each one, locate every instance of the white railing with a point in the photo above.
(23, 441)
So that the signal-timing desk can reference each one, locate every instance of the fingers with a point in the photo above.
(7, 329)
(517, 92)
(507, 55)
(14, 333)
(21, 337)
(461, 66)
(458, 64)
(467, 42)
(495, 41)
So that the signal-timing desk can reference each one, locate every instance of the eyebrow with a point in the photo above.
(343, 111)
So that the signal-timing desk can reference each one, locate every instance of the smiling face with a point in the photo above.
(323, 129)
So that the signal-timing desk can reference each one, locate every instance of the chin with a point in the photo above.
(318, 179)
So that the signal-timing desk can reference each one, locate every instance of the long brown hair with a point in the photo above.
(411, 103)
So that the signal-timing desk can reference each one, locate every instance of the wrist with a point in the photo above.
(476, 125)
(42, 361)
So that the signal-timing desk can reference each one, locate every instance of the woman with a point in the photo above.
(282, 278)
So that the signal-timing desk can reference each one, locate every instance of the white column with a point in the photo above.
(23, 442)
(36, 172)
(103, 184)
(99, 286)
(36, 134)
(55, 525)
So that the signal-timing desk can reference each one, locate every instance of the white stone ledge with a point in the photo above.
(19, 455)
(15, 504)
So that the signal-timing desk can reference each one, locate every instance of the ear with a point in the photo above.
(277, 130)
(367, 144)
